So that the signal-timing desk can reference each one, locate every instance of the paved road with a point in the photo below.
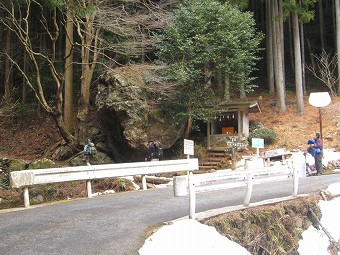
(116, 224)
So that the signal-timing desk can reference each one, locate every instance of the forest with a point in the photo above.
(52, 53)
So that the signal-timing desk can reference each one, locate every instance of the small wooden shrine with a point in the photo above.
(231, 122)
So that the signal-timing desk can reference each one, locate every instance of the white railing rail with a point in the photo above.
(192, 184)
(27, 178)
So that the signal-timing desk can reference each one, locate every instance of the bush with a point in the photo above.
(267, 134)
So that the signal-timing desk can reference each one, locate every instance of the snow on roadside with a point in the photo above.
(189, 237)
(315, 241)
(185, 237)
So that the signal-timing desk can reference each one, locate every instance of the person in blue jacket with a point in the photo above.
(315, 148)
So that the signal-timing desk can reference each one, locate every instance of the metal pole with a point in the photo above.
(320, 117)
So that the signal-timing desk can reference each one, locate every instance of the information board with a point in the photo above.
(257, 143)
(188, 147)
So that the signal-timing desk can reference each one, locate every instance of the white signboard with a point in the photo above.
(257, 143)
(188, 147)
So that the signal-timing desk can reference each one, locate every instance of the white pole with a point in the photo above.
(89, 188)
(144, 182)
(296, 182)
(249, 190)
(26, 197)
(192, 197)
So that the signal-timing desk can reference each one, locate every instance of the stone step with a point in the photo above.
(209, 163)
(217, 154)
(207, 168)
(211, 160)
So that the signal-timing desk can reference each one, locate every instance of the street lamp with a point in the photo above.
(319, 99)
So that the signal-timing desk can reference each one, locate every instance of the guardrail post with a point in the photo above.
(249, 190)
(26, 197)
(89, 188)
(192, 198)
(296, 182)
(180, 186)
(145, 187)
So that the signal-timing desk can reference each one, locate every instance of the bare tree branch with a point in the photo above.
(325, 70)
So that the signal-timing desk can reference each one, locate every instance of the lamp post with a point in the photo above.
(319, 99)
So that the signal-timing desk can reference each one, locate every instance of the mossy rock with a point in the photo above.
(17, 165)
(42, 164)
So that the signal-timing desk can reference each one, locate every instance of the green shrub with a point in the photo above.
(4, 181)
(52, 192)
(267, 134)
(200, 151)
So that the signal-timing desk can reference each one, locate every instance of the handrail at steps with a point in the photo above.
(189, 185)
(26, 178)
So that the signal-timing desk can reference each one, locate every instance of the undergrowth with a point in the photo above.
(267, 230)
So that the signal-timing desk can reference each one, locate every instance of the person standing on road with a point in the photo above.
(318, 154)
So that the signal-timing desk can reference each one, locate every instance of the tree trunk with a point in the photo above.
(219, 82)
(24, 83)
(7, 83)
(297, 64)
(337, 22)
(226, 87)
(291, 44)
(69, 117)
(188, 128)
(270, 58)
(321, 19)
(303, 62)
(281, 24)
(280, 96)
(242, 92)
(311, 55)
(89, 52)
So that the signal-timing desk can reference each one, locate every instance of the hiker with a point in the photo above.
(315, 148)
(311, 147)
(155, 151)
(310, 169)
(89, 151)
(150, 152)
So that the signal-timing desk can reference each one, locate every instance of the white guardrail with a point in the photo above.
(190, 184)
(26, 178)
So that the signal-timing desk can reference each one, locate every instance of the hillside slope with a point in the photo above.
(30, 137)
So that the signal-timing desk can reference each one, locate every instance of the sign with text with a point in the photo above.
(257, 142)
(188, 147)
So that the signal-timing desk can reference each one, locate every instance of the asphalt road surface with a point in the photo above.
(117, 224)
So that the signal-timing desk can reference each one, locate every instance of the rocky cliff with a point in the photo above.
(128, 114)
